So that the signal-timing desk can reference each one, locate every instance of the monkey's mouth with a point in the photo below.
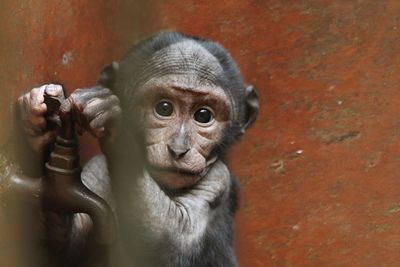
(173, 178)
(174, 170)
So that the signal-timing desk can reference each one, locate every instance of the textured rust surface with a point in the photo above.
(319, 170)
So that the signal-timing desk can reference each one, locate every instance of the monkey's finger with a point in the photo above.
(21, 105)
(23, 102)
(34, 125)
(114, 123)
(104, 118)
(36, 99)
(55, 90)
(98, 105)
(81, 96)
(37, 143)
(38, 122)
(32, 131)
(26, 109)
(99, 123)
(66, 106)
(99, 132)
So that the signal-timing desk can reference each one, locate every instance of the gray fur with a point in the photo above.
(96, 177)
(182, 219)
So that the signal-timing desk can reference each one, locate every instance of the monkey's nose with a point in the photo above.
(177, 152)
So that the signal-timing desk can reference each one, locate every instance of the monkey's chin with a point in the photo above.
(174, 179)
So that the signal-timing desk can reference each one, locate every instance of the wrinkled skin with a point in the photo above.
(179, 147)
(32, 111)
(95, 110)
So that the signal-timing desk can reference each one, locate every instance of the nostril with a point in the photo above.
(177, 152)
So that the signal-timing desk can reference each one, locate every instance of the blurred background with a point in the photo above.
(319, 169)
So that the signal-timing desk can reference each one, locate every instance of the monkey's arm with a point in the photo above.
(179, 224)
(183, 219)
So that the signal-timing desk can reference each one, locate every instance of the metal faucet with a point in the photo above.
(63, 190)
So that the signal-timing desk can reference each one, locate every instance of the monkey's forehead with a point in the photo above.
(186, 57)
(183, 82)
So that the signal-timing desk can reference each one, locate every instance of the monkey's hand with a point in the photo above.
(95, 110)
(37, 122)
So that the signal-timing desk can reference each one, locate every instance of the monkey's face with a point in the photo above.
(183, 125)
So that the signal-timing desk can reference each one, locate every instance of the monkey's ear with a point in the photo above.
(252, 103)
(108, 75)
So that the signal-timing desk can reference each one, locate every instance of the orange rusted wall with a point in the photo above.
(319, 170)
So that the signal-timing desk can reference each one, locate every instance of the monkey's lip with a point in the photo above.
(173, 170)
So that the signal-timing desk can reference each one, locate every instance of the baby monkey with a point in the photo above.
(165, 116)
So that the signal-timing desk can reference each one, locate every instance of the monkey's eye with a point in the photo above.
(203, 115)
(164, 108)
